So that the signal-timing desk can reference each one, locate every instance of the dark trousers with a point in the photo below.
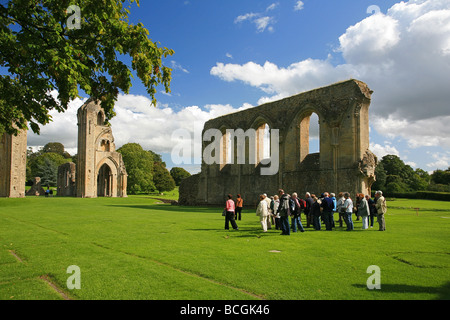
(229, 217)
(328, 220)
(285, 225)
(238, 213)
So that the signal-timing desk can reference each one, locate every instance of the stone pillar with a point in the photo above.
(13, 165)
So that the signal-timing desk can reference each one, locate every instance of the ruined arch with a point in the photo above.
(344, 163)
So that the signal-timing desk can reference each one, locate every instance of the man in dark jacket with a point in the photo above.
(327, 213)
(284, 211)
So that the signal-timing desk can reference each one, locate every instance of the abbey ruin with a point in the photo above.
(100, 171)
(344, 163)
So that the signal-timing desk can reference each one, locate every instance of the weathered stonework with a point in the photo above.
(344, 163)
(13, 165)
(66, 185)
(100, 169)
(36, 189)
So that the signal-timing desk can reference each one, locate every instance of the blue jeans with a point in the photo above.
(295, 220)
(348, 221)
(285, 225)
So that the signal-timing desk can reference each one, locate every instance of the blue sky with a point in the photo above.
(231, 55)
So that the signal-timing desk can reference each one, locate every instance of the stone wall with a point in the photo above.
(13, 162)
(344, 163)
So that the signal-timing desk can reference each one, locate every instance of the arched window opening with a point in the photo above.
(104, 181)
(309, 135)
(100, 119)
(314, 134)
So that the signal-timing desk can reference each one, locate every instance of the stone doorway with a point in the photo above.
(104, 181)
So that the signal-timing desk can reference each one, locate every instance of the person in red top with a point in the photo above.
(239, 205)
(229, 216)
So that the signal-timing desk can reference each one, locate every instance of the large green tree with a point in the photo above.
(163, 179)
(43, 49)
(179, 174)
(139, 165)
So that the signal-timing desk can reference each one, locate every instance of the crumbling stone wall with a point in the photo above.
(66, 184)
(100, 169)
(13, 164)
(344, 163)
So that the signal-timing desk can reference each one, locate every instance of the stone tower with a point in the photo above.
(100, 169)
(13, 162)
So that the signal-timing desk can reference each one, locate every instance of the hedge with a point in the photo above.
(426, 195)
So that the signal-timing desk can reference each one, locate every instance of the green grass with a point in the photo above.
(137, 248)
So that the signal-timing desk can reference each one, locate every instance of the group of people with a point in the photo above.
(277, 210)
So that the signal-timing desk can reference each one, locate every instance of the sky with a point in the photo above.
(232, 55)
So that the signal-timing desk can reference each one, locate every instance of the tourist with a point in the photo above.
(327, 211)
(309, 203)
(268, 200)
(381, 207)
(363, 211)
(348, 205)
(239, 205)
(274, 206)
(229, 215)
(372, 210)
(295, 214)
(283, 211)
(340, 208)
(263, 212)
(316, 212)
(333, 197)
(356, 206)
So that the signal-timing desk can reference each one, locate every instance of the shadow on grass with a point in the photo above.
(442, 292)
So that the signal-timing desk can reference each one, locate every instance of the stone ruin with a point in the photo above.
(344, 164)
(100, 171)
(13, 164)
(36, 189)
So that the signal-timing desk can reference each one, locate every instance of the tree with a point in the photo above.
(162, 178)
(139, 165)
(45, 166)
(441, 177)
(380, 174)
(179, 174)
(55, 147)
(43, 50)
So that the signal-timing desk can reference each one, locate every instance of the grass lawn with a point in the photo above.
(140, 248)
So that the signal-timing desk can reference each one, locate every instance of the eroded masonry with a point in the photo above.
(344, 163)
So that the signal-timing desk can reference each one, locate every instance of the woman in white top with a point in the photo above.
(263, 212)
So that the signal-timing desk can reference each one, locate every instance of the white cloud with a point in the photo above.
(273, 6)
(247, 16)
(262, 22)
(299, 6)
(381, 151)
(442, 161)
(402, 55)
(176, 66)
(136, 121)
(229, 55)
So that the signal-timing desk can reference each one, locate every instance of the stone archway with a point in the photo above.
(104, 181)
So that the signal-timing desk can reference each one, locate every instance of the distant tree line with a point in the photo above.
(146, 171)
(394, 176)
